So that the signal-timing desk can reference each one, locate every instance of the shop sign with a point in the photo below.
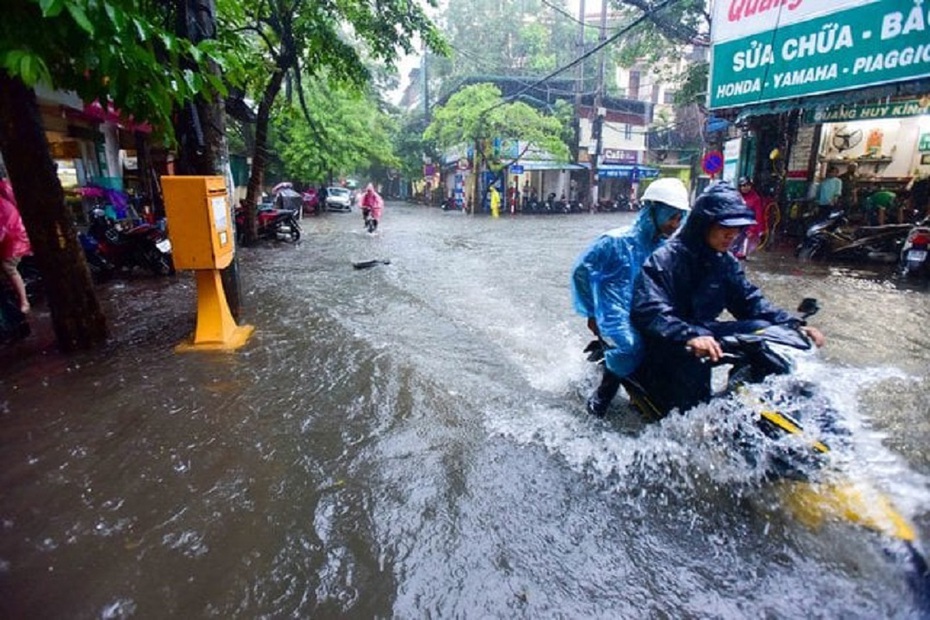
(766, 50)
(846, 113)
(731, 154)
(619, 156)
(924, 143)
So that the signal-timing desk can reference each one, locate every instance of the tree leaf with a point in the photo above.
(79, 16)
(51, 8)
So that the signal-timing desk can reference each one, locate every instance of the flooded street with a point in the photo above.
(410, 441)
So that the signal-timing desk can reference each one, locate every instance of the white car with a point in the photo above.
(338, 199)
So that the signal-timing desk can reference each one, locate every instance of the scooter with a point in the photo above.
(274, 224)
(831, 238)
(914, 261)
(794, 459)
(144, 245)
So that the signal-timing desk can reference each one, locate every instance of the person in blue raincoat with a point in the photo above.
(603, 277)
(681, 291)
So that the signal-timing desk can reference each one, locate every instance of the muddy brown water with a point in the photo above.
(409, 441)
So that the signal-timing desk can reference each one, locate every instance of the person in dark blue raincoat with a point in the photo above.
(603, 277)
(682, 289)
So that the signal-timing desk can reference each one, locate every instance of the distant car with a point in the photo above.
(338, 199)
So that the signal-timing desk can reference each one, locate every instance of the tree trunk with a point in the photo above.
(77, 318)
(201, 130)
(260, 154)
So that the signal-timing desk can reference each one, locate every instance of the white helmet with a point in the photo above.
(668, 191)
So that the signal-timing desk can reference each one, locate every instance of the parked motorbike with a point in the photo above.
(812, 485)
(144, 245)
(834, 238)
(273, 223)
(914, 251)
(100, 268)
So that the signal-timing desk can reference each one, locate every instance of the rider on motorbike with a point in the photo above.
(603, 276)
(683, 288)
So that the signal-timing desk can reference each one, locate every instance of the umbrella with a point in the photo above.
(285, 185)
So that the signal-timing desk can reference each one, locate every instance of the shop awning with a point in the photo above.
(548, 165)
(625, 171)
(875, 93)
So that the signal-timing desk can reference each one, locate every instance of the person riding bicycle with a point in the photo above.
(603, 276)
(680, 293)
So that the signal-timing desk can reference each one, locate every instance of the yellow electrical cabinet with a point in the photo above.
(200, 224)
(201, 231)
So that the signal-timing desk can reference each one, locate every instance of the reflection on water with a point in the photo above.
(409, 440)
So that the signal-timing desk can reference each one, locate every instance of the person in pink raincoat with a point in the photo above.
(372, 206)
(14, 243)
(752, 237)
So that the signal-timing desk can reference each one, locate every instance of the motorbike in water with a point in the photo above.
(273, 224)
(798, 441)
(833, 238)
(117, 247)
(914, 251)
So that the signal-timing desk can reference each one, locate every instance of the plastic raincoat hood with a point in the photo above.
(602, 285)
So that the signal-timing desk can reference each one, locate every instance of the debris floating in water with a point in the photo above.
(365, 264)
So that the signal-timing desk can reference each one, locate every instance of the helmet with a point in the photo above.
(668, 191)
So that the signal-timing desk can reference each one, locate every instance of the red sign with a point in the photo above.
(712, 163)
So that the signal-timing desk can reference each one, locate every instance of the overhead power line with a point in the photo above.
(646, 15)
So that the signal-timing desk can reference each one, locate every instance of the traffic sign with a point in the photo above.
(712, 163)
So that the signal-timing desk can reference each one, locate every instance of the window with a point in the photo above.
(634, 84)
(669, 97)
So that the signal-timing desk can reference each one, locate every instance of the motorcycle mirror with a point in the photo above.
(808, 307)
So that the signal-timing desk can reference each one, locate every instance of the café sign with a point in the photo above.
(766, 50)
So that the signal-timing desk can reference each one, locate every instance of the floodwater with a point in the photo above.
(410, 441)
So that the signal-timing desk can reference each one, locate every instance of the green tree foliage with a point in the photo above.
(119, 51)
(290, 40)
(123, 51)
(346, 133)
(664, 38)
(410, 146)
(510, 37)
(478, 113)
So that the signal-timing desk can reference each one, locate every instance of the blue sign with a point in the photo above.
(516, 169)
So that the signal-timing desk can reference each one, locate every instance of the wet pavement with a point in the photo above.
(409, 440)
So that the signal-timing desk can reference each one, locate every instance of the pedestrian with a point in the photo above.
(681, 291)
(829, 192)
(877, 206)
(748, 243)
(14, 243)
(495, 201)
(372, 206)
(603, 277)
(849, 194)
(322, 195)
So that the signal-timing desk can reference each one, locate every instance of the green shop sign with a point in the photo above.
(789, 50)
(846, 113)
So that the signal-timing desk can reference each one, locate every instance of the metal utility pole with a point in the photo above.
(579, 82)
(597, 122)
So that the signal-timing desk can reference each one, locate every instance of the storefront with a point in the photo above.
(809, 90)
(874, 147)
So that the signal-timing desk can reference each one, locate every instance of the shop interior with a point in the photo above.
(889, 154)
